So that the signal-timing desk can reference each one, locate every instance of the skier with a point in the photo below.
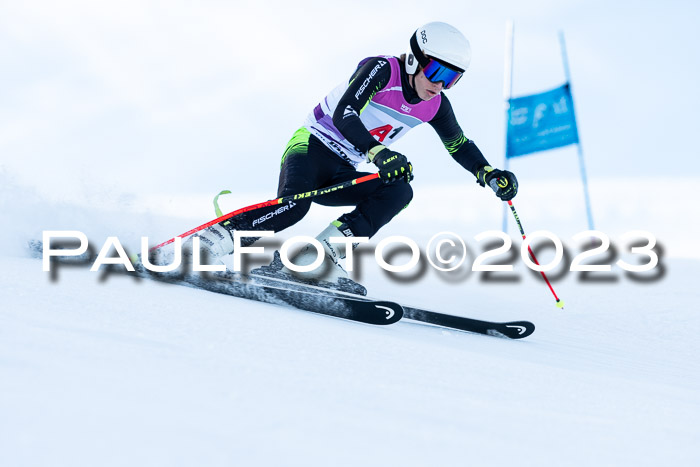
(384, 98)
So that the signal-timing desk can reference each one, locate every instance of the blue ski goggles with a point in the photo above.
(436, 72)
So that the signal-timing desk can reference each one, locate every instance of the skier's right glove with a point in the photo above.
(392, 165)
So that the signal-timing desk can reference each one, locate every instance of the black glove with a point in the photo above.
(392, 165)
(502, 182)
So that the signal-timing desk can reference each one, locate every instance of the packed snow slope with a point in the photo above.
(112, 371)
(126, 372)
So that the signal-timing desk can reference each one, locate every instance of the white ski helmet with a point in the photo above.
(440, 41)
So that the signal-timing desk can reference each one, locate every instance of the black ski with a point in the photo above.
(379, 312)
(324, 301)
(511, 329)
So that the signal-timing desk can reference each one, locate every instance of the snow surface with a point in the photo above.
(106, 371)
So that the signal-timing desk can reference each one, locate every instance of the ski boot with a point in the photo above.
(330, 275)
(216, 241)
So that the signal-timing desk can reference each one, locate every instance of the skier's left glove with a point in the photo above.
(392, 165)
(502, 182)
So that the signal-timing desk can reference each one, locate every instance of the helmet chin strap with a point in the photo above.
(409, 83)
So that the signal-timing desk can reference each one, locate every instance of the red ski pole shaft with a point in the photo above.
(560, 303)
(272, 202)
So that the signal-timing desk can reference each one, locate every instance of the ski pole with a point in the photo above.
(272, 202)
(560, 303)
